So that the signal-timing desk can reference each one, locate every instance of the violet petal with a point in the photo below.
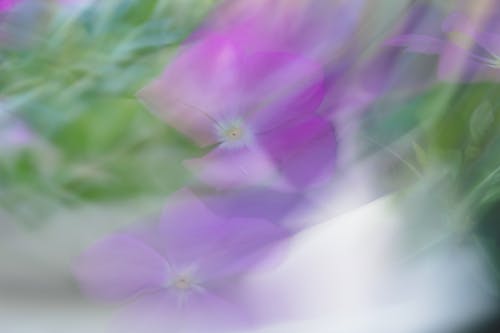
(120, 267)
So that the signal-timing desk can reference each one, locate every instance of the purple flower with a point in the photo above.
(255, 108)
(14, 133)
(468, 44)
(181, 273)
(6, 5)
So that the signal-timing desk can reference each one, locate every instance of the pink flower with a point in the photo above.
(181, 273)
(255, 109)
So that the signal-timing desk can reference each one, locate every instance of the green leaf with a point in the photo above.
(481, 121)
(420, 154)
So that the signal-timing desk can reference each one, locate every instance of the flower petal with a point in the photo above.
(458, 22)
(285, 86)
(225, 168)
(119, 267)
(201, 85)
(417, 43)
(485, 31)
(256, 202)
(167, 311)
(304, 150)
(6, 5)
(187, 230)
(490, 41)
(455, 64)
(213, 246)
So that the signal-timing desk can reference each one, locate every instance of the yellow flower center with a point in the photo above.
(234, 133)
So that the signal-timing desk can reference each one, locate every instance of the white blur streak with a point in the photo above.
(348, 276)
(356, 271)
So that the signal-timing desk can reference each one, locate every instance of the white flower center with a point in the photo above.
(183, 283)
(233, 133)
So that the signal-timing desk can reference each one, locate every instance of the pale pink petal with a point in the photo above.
(193, 312)
(285, 86)
(202, 84)
(225, 168)
(119, 267)
(303, 150)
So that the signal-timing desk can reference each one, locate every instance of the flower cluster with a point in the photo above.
(256, 87)
(295, 112)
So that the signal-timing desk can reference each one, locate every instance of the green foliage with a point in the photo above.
(455, 129)
(74, 85)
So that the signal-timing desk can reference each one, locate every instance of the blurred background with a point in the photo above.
(81, 156)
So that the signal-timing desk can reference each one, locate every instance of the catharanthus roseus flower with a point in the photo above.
(468, 45)
(182, 272)
(257, 110)
(6, 5)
